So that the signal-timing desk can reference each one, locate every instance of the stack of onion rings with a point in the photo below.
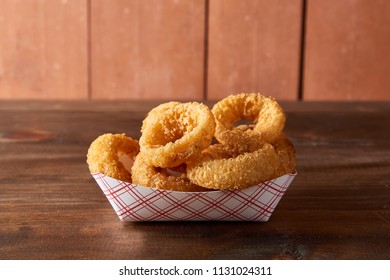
(175, 151)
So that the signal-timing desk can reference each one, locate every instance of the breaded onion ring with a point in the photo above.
(103, 155)
(173, 133)
(238, 167)
(146, 175)
(266, 114)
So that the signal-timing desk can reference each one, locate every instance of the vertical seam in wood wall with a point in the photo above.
(302, 51)
(206, 50)
(89, 51)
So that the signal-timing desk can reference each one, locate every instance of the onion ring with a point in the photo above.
(103, 155)
(147, 175)
(173, 133)
(237, 167)
(267, 116)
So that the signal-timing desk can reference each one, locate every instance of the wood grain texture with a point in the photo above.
(43, 53)
(254, 46)
(50, 207)
(347, 50)
(147, 49)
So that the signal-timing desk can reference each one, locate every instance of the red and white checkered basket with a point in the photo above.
(136, 203)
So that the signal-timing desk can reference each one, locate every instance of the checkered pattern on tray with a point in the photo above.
(137, 203)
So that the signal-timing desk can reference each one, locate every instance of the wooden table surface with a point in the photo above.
(51, 208)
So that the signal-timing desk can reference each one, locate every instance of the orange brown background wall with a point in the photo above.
(194, 49)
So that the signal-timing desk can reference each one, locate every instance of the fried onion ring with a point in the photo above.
(103, 155)
(147, 175)
(238, 167)
(173, 133)
(266, 114)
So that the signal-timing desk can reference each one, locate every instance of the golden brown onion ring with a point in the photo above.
(146, 175)
(173, 133)
(237, 167)
(266, 114)
(103, 155)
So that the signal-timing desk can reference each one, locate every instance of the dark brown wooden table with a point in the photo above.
(51, 208)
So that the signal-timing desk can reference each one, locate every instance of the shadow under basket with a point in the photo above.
(137, 203)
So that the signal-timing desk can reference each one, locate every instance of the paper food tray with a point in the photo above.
(137, 203)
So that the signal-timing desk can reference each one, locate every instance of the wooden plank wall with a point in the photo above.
(43, 50)
(347, 51)
(254, 46)
(147, 49)
(194, 49)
